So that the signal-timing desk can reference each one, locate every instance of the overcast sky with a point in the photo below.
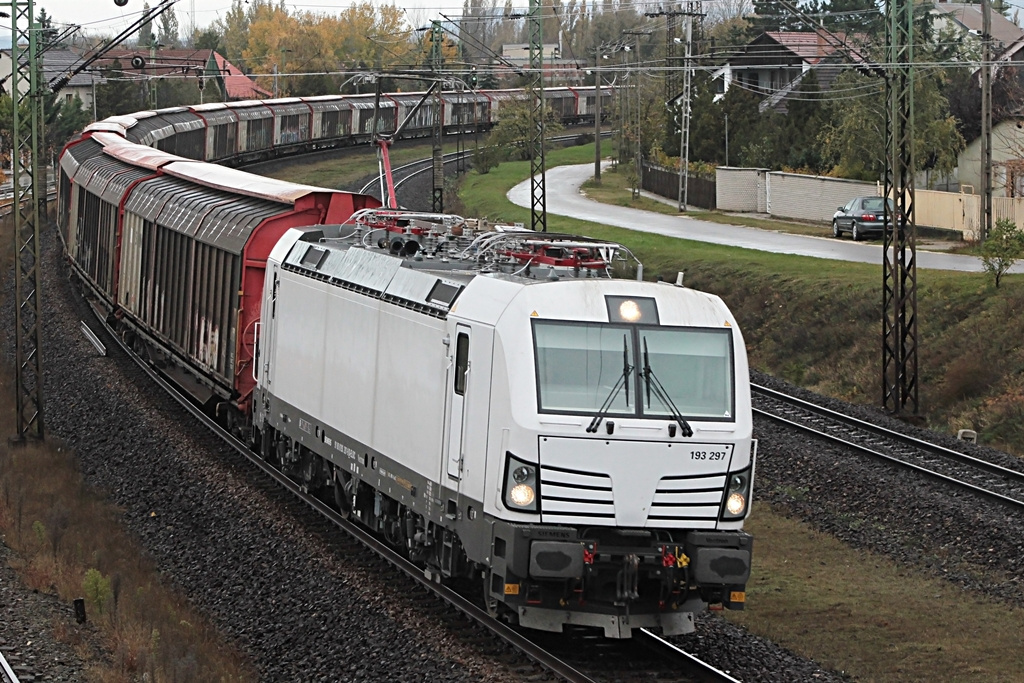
(103, 16)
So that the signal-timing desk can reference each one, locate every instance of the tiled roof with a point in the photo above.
(969, 17)
(237, 85)
(57, 62)
(809, 46)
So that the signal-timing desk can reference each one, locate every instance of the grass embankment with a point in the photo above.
(816, 323)
(344, 173)
(69, 543)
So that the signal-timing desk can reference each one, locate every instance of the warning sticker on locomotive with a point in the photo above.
(511, 589)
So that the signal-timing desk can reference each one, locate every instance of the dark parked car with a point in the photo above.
(861, 217)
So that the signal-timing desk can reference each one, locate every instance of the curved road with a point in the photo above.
(564, 199)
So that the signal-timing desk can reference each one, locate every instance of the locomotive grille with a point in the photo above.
(631, 484)
(569, 493)
(693, 502)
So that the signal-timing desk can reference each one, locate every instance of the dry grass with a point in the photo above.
(866, 615)
(62, 532)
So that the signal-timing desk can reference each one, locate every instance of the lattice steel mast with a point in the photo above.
(26, 89)
(899, 260)
(436, 59)
(538, 198)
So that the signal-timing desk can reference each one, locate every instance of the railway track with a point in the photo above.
(669, 658)
(7, 674)
(950, 467)
(407, 172)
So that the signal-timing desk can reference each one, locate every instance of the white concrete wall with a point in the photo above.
(740, 189)
(812, 198)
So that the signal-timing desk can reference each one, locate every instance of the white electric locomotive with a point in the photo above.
(501, 407)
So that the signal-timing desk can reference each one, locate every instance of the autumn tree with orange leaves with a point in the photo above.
(313, 53)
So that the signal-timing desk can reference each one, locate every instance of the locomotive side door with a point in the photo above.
(458, 382)
(266, 338)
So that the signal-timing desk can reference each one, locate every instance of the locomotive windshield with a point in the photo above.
(580, 367)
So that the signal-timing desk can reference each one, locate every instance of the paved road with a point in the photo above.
(564, 199)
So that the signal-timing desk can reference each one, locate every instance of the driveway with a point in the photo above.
(564, 199)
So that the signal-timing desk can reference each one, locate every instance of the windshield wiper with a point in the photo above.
(662, 395)
(623, 381)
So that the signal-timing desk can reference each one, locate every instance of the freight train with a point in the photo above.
(490, 400)
(232, 133)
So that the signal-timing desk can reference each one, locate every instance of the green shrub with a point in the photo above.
(1005, 244)
(97, 589)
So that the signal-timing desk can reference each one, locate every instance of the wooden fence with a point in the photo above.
(665, 182)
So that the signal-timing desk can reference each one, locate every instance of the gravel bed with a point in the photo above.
(974, 543)
(27, 622)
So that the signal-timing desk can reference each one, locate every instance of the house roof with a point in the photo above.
(809, 46)
(238, 86)
(777, 48)
(969, 18)
(57, 62)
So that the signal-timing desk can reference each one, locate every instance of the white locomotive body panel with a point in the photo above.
(551, 428)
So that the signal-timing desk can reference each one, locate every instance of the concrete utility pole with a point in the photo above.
(597, 115)
(684, 143)
(601, 52)
(29, 186)
(637, 150)
(986, 119)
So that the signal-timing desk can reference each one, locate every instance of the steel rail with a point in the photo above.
(454, 157)
(477, 614)
(6, 205)
(930, 449)
(695, 666)
(934, 449)
(7, 671)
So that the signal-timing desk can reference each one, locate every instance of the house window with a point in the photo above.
(68, 98)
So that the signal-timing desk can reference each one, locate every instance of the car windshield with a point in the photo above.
(579, 365)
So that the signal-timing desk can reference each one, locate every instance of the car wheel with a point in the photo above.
(856, 232)
(836, 232)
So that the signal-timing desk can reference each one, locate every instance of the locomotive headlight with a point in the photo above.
(735, 504)
(632, 309)
(737, 495)
(629, 311)
(520, 490)
(522, 495)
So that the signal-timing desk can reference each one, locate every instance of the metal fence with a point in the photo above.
(665, 182)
